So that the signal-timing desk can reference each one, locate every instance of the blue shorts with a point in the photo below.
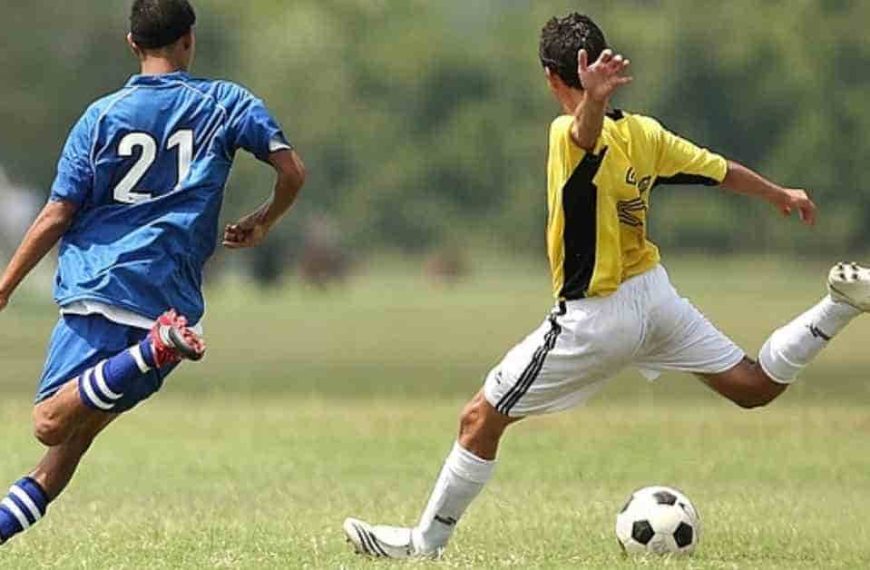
(81, 342)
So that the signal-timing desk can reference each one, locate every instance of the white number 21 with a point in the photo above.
(124, 191)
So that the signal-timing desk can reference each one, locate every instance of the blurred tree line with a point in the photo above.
(424, 124)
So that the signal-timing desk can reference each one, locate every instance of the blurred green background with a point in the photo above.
(424, 123)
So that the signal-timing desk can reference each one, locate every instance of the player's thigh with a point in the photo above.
(678, 337)
(562, 363)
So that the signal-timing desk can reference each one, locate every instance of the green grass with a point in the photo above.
(312, 407)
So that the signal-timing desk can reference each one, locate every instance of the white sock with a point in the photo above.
(461, 480)
(791, 348)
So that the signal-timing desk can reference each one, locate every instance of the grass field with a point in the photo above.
(314, 406)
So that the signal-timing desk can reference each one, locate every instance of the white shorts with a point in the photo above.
(584, 343)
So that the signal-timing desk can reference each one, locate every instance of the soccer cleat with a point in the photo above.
(173, 341)
(850, 283)
(384, 541)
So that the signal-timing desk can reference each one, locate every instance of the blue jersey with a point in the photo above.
(146, 167)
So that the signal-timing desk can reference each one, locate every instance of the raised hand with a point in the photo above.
(601, 79)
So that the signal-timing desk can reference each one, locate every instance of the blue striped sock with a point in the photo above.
(25, 504)
(102, 386)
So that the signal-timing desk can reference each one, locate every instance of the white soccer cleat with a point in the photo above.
(850, 283)
(383, 541)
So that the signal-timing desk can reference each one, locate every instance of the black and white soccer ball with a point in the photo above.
(658, 520)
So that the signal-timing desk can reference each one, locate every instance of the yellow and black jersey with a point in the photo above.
(598, 201)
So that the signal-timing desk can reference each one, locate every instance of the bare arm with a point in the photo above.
(742, 180)
(251, 230)
(52, 222)
(600, 80)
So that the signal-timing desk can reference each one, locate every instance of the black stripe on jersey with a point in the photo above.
(616, 114)
(580, 207)
(687, 179)
(530, 374)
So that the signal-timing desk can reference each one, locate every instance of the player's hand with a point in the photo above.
(795, 200)
(602, 78)
(248, 232)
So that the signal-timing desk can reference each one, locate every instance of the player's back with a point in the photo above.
(147, 167)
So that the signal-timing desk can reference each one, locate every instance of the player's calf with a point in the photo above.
(746, 385)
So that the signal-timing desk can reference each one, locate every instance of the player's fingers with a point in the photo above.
(624, 80)
(605, 56)
(583, 60)
(809, 213)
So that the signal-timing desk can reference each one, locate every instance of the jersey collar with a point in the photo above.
(158, 80)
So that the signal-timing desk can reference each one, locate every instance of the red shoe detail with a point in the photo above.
(172, 341)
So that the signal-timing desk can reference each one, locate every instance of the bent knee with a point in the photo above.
(479, 420)
(48, 430)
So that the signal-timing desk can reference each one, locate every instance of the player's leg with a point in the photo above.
(465, 472)
(682, 339)
(792, 347)
(112, 384)
(28, 499)
(547, 372)
(56, 468)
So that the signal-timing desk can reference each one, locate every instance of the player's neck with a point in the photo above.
(569, 99)
(160, 66)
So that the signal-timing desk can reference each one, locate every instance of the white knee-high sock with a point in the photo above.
(461, 480)
(791, 348)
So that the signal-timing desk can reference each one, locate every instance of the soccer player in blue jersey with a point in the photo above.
(135, 208)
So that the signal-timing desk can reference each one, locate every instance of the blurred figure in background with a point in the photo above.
(19, 207)
(323, 261)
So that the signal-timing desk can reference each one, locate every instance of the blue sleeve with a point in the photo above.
(253, 128)
(75, 176)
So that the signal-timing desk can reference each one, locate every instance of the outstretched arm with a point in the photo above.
(251, 230)
(52, 222)
(600, 80)
(742, 180)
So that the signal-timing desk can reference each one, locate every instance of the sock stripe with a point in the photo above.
(13, 509)
(28, 503)
(136, 353)
(104, 389)
(91, 395)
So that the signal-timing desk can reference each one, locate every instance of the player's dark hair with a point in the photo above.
(563, 38)
(158, 23)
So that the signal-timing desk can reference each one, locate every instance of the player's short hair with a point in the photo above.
(155, 24)
(563, 38)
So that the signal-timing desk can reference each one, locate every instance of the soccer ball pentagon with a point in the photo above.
(658, 520)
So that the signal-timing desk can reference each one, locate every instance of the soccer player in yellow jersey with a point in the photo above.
(615, 305)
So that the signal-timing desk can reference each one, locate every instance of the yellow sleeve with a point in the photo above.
(682, 162)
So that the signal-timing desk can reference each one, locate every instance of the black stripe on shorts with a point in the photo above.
(530, 374)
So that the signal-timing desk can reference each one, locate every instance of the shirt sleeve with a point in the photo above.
(75, 176)
(254, 129)
(682, 162)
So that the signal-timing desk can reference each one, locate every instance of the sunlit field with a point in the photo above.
(312, 406)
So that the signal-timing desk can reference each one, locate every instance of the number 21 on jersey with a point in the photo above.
(125, 190)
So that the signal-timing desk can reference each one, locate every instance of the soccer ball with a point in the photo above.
(658, 520)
